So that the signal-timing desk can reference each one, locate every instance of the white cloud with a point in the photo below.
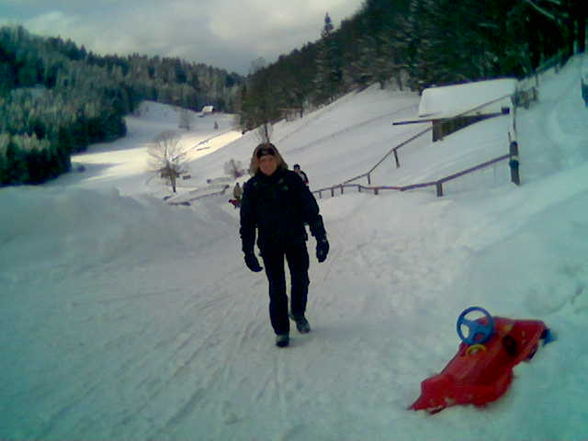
(51, 22)
(226, 33)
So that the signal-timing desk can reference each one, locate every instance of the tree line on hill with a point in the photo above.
(57, 98)
(415, 44)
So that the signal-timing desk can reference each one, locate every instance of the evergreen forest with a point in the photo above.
(57, 98)
(414, 44)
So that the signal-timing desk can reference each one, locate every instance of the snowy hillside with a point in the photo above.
(126, 318)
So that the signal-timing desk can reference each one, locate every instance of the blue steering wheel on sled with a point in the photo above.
(478, 331)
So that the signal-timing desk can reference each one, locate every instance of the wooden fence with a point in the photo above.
(393, 151)
(195, 195)
(438, 184)
(512, 156)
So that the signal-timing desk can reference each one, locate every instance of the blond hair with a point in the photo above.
(254, 165)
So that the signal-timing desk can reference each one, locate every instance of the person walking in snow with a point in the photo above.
(274, 208)
(300, 173)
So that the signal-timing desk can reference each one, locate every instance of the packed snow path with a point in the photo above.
(124, 318)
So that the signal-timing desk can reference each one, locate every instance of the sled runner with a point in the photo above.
(481, 371)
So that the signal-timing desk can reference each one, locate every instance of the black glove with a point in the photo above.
(322, 249)
(252, 262)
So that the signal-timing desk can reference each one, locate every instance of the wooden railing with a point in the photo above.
(512, 156)
(438, 184)
(195, 195)
(394, 151)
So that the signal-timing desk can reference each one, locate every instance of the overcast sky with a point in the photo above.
(228, 34)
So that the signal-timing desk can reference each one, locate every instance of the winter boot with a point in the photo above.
(282, 340)
(301, 324)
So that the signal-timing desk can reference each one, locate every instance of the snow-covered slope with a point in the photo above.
(124, 318)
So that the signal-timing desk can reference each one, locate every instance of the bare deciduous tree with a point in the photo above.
(167, 157)
(264, 132)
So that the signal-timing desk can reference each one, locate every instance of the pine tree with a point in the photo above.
(328, 76)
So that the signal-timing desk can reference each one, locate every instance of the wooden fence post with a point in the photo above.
(341, 189)
(376, 190)
(332, 192)
(439, 186)
(514, 163)
(369, 179)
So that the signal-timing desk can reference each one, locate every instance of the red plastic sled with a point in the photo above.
(481, 373)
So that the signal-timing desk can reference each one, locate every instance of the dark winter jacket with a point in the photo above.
(278, 206)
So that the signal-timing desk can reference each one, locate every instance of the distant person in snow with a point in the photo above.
(300, 173)
(275, 206)
(237, 194)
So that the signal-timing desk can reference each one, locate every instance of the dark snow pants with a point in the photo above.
(298, 262)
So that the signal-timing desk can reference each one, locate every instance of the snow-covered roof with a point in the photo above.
(449, 101)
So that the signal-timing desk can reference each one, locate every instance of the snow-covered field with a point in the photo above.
(125, 318)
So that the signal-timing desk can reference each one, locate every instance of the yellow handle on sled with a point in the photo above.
(474, 349)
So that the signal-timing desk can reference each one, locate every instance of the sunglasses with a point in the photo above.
(265, 151)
